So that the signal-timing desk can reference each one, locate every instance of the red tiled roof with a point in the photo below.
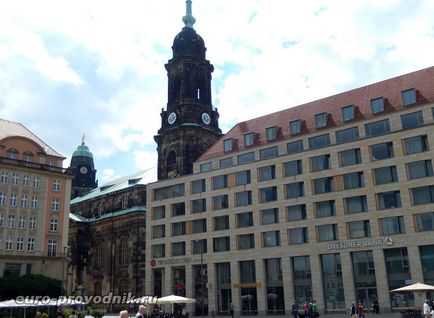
(422, 81)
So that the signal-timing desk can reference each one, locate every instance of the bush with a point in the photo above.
(97, 313)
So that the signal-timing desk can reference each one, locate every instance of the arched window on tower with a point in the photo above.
(123, 251)
(171, 166)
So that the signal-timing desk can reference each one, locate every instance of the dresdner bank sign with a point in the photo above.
(365, 243)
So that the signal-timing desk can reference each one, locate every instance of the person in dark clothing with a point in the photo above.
(375, 307)
(294, 310)
(232, 310)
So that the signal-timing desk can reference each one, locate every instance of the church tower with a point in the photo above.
(189, 125)
(84, 171)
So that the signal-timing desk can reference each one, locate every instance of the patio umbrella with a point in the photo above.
(417, 287)
(174, 299)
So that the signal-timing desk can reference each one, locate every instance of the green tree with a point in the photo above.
(29, 285)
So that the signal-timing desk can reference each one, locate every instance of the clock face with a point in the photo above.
(172, 118)
(206, 119)
(83, 170)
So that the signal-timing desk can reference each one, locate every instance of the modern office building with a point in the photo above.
(332, 200)
(34, 204)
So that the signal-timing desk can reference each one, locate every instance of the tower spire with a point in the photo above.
(188, 19)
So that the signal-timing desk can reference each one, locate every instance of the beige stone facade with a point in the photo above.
(34, 205)
(340, 221)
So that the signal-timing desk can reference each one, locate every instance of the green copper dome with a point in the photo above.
(82, 151)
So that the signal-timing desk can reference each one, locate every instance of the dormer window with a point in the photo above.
(28, 156)
(271, 133)
(408, 97)
(249, 139)
(13, 154)
(320, 120)
(348, 113)
(228, 145)
(377, 105)
(295, 127)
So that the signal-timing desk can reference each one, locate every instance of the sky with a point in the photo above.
(69, 68)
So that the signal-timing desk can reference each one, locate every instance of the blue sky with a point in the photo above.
(97, 67)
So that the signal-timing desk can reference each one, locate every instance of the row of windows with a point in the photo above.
(354, 204)
(408, 121)
(9, 244)
(24, 201)
(25, 180)
(324, 233)
(322, 119)
(21, 224)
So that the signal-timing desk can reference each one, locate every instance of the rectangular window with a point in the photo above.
(198, 186)
(178, 209)
(267, 173)
(321, 120)
(271, 238)
(348, 113)
(327, 232)
(13, 199)
(55, 205)
(389, 200)
(392, 225)
(1, 222)
(298, 235)
(221, 244)
(420, 169)
(347, 135)
(377, 105)
(270, 216)
(268, 194)
(408, 97)
(246, 241)
(32, 223)
(382, 151)
(158, 212)
(158, 250)
(15, 179)
(31, 245)
(220, 202)
(228, 145)
(423, 195)
(244, 219)
(178, 228)
(243, 198)
(377, 128)
(52, 248)
(295, 127)
(325, 208)
(177, 190)
(425, 221)
(322, 185)
(219, 182)
(242, 177)
(11, 221)
(198, 206)
(350, 157)
(246, 157)
(292, 168)
(294, 190)
(271, 133)
(353, 180)
(53, 225)
(294, 147)
(385, 175)
(249, 139)
(36, 182)
(11, 269)
(24, 201)
(9, 243)
(331, 272)
(319, 141)
(26, 180)
(319, 163)
(158, 231)
(358, 229)
(2, 198)
(412, 120)
(205, 167)
(4, 177)
(226, 163)
(356, 204)
(416, 144)
(178, 249)
(56, 185)
(221, 222)
(268, 153)
(296, 212)
(200, 246)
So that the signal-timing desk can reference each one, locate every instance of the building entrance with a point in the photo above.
(366, 295)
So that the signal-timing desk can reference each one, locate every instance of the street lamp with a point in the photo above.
(200, 245)
(64, 258)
